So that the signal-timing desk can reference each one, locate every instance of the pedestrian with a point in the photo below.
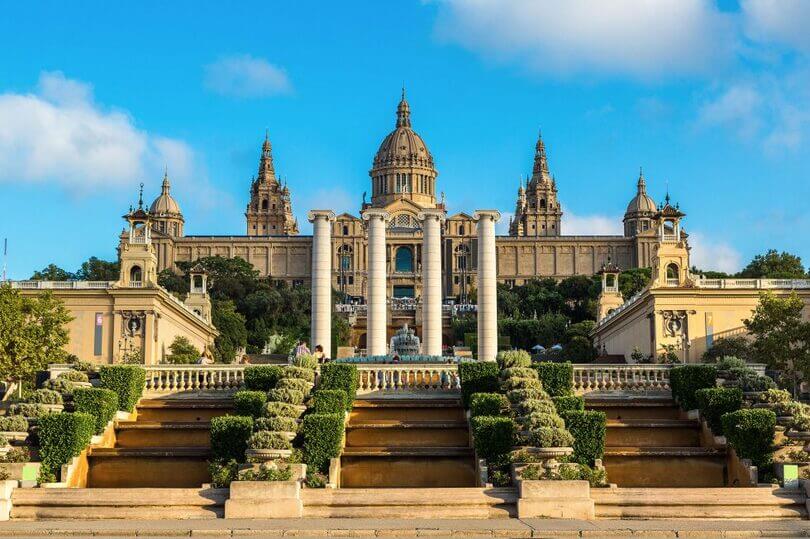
(301, 349)
(319, 355)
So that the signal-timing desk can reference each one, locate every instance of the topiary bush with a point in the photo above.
(249, 403)
(322, 439)
(715, 402)
(550, 437)
(45, 396)
(306, 361)
(262, 377)
(588, 427)
(687, 379)
(127, 381)
(100, 403)
(532, 406)
(63, 436)
(229, 436)
(491, 404)
(750, 432)
(328, 401)
(64, 387)
(340, 376)
(477, 377)
(557, 378)
(511, 384)
(540, 419)
(13, 423)
(276, 424)
(295, 383)
(493, 436)
(513, 358)
(298, 373)
(517, 396)
(74, 376)
(282, 409)
(29, 409)
(568, 403)
(268, 440)
(288, 396)
(518, 372)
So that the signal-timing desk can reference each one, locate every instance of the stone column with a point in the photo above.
(487, 285)
(321, 324)
(377, 317)
(432, 220)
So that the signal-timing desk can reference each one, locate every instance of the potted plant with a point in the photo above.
(49, 399)
(266, 445)
(14, 428)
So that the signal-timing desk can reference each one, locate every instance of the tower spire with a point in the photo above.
(540, 170)
(166, 185)
(140, 197)
(642, 183)
(403, 111)
(267, 172)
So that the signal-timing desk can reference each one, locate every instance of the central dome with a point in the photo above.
(403, 146)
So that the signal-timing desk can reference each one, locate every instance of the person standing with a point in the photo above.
(319, 354)
(301, 349)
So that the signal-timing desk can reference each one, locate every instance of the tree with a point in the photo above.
(774, 265)
(781, 337)
(183, 352)
(738, 347)
(95, 269)
(232, 332)
(52, 272)
(633, 281)
(33, 333)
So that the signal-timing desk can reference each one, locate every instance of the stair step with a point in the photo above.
(665, 466)
(407, 403)
(162, 425)
(690, 452)
(406, 424)
(635, 408)
(219, 403)
(653, 423)
(147, 452)
(418, 451)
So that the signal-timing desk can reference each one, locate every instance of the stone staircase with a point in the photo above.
(649, 443)
(167, 446)
(407, 443)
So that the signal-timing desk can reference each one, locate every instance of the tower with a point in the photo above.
(538, 211)
(137, 254)
(641, 211)
(269, 212)
(165, 212)
(610, 298)
(198, 299)
(671, 260)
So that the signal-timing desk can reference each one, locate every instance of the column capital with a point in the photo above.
(495, 215)
(371, 213)
(314, 215)
(429, 213)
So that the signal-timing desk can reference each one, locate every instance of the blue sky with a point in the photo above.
(710, 98)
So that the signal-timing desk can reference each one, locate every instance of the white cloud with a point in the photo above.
(714, 255)
(502, 226)
(779, 21)
(591, 225)
(638, 38)
(737, 107)
(336, 199)
(245, 76)
(59, 134)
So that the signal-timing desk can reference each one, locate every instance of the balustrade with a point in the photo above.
(179, 378)
(631, 378)
(407, 378)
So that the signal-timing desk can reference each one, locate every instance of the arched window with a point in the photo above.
(345, 257)
(135, 274)
(404, 260)
(264, 204)
(345, 230)
(543, 203)
(672, 271)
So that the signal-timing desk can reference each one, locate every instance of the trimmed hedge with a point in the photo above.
(340, 376)
(296, 384)
(45, 396)
(262, 377)
(557, 378)
(322, 439)
(288, 396)
(687, 379)
(492, 404)
(276, 424)
(588, 428)
(281, 409)
(568, 403)
(229, 436)
(127, 381)
(328, 401)
(61, 437)
(298, 373)
(249, 403)
(13, 423)
(477, 377)
(513, 359)
(750, 432)
(715, 402)
(100, 403)
(493, 436)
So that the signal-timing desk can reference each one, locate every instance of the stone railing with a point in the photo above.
(407, 379)
(638, 378)
(162, 379)
(61, 285)
(755, 284)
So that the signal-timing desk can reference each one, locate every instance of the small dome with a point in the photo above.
(165, 203)
(642, 202)
(403, 146)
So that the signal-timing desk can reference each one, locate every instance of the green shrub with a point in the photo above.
(100, 403)
(63, 436)
(715, 402)
(557, 378)
(493, 404)
(510, 384)
(28, 409)
(329, 401)
(477, 377)
(306, 361)
(45, 396)
(127, 381)
(518, 372)
(516, 396)
(262, 377)
(773, 396)
(568, 403)
(295, 383)
(539, 419)
(282, 409)
(276, 424)
(513, 358)
(288, 396)
(250, 403)
(532, 406)
(298, 373)
(493, 436)
(801, 421)
(750, 432)
(64, 387)
(754, 382)
(322, 438)
(265, 439)
(229, 436)
(74, 376)
(266, 473)
(223, 473)
(687, 379)
(550, 437)
(588, 428)
(340, 376)
(13, 423)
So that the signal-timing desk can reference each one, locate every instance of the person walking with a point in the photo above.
(301, 349)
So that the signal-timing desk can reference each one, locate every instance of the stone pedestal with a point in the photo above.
(555, 499)
(264, 499)
(487, 285)
(432, 281)
(377, 320)
(321, 332)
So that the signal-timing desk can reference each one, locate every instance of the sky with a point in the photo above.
(712, 99)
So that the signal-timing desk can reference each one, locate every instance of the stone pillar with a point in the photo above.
(321, 325)
(377, 318)
(487, 285)
(432, 281)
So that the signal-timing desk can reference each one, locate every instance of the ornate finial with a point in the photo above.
(540, 170)
(642, 183)
(403, 111)
(403, 90)
(140, 197)
(667, 197)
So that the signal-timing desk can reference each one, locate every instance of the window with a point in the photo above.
(543, 203)
(672, 271)
(297, 283)
(461, 229)
(345, 230)
(404, 260)
(345, 257)
(402, 291)
(351, 279)
(135, 274)
(264, 204)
